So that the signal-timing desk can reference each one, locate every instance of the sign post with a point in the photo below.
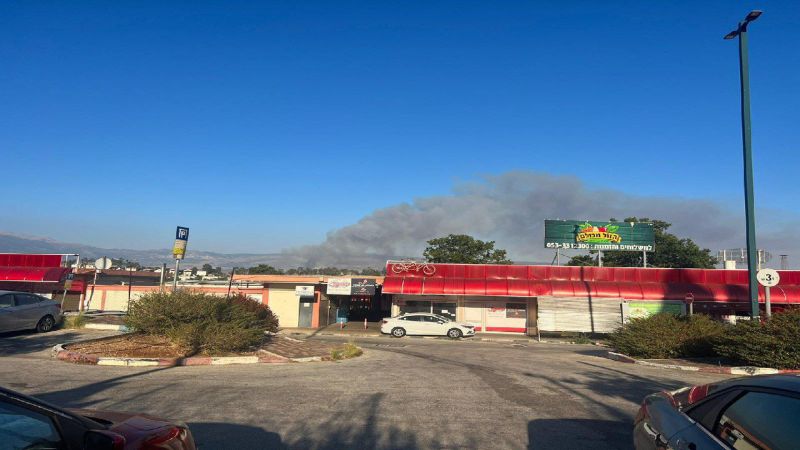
(768, 278)
(179, 251)
(689, 302)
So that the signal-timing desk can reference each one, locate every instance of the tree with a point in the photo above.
(670, 251)
(583, 260)
(463, 249)
(264, 269)
(208, 268)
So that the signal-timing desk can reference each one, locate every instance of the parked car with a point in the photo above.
(26, 311)
(761, 412)
(425, 324)
(29, 423)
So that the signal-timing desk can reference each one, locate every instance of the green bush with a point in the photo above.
(202, 322)
(701, 333)
(774, 342)
(664, 335)
(76, 321)
(349, 350)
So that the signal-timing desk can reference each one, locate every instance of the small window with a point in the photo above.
(26, 299)
(433, 319)
(759, 420)
(6, 301)
(22, 428)
(516, 310)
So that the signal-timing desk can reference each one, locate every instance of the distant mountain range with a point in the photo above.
(12, 243)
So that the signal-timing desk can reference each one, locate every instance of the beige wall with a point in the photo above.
(117, 300)
(284, 303)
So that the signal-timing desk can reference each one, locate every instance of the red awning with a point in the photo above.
(710, 285)
(29, 260)
(34, 274)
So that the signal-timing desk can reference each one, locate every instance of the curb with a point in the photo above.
(264, 357)
(105, 326)
(350, 334)
(740, 370)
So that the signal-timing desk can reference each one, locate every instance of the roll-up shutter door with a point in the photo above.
(598, 315)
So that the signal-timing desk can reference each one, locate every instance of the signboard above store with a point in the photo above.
(339, 286)
(304, 291)
(362, 286)
(594, 235)
(351, 286)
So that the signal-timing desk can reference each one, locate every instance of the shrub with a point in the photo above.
(666, 335)
(774, 342)
(700, 334)
(349, 350)
(76, 321)
(202, 322)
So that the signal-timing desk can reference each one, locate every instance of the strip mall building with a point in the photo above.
(529, 299)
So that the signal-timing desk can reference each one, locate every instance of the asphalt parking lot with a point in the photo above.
(403, 393)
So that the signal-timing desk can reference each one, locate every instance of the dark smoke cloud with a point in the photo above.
(511, 209)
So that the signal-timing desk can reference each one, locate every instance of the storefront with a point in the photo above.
(354, 299)
(530, 299)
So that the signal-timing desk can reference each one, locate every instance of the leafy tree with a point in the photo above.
(208, 268)
(583, 260)
(464, 249)
(264, 269)
(670, 251)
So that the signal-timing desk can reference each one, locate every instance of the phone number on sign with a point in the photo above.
(579, 246)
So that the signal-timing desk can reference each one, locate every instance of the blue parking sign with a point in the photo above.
(182, 234)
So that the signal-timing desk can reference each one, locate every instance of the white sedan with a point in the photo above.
(425, 324)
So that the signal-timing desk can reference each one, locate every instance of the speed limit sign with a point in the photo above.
(768, 277)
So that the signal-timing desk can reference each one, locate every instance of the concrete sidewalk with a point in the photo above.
(353, 329)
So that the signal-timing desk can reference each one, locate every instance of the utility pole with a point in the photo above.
(750, 223)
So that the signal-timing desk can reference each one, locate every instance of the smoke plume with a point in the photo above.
(511, 208)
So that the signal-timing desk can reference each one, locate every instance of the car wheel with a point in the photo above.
(398, 332)
(454, 333)
(45, 324)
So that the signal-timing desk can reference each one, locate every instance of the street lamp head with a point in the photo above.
(731, 35)
(753, 15)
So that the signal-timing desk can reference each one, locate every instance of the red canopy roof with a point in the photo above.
(565, 281)
(29, 260)
(34, 274)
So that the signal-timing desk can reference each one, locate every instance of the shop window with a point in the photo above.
(516, 310)
(445, 310)
(413, 306)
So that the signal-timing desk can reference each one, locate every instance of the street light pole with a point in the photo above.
(750, 222)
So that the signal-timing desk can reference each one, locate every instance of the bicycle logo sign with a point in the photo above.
(413, 266)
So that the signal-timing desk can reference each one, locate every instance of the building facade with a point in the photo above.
(531, 299)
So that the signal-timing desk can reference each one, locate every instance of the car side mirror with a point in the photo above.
(103, 440)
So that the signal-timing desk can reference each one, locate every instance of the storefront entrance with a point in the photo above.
(306, 312)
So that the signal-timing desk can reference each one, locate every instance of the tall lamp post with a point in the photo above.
(752, 256)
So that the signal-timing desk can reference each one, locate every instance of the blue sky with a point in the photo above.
(263, 125)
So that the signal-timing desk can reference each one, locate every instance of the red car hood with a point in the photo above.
(134, 427)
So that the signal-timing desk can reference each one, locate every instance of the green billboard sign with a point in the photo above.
(594, 235)
(647, 309)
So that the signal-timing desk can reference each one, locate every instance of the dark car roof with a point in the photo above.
(786, 382)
